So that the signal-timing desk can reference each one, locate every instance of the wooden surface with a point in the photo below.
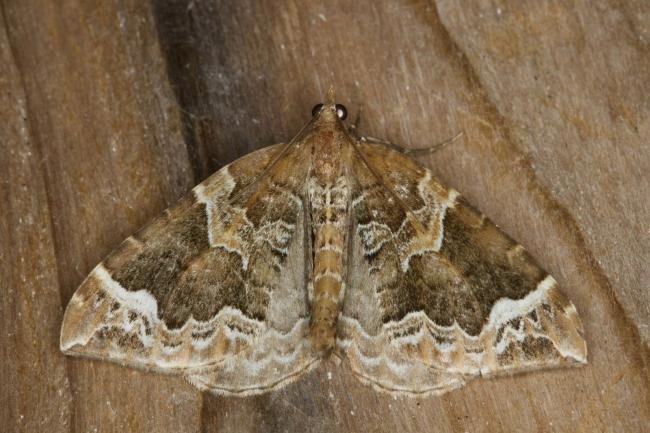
(113, 110)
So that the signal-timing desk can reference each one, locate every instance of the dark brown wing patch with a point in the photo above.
(476, 266)
(165, 251)
(491, 264)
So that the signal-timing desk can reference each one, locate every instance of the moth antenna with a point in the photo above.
(353, 129)
(357, 120)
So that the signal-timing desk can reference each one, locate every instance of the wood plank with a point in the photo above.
(35, 388)
(113, 156)
(127, 104)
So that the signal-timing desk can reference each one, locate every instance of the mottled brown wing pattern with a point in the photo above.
(324, 245)
(439, 294)
(210, 284)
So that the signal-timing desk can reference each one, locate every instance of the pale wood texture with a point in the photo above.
(111, 111)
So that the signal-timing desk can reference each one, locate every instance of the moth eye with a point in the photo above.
(316, 109)
(341, 111)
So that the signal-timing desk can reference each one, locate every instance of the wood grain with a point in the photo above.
(112, 111)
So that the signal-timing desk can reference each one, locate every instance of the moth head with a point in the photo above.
(330, 110)
(339, 109)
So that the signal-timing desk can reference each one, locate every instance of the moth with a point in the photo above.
(328, 245)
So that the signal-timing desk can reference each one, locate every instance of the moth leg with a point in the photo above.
(353, 129)
(411, 152)
(354, 132)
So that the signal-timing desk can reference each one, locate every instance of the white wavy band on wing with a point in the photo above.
(117, 313)
(543, 314)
